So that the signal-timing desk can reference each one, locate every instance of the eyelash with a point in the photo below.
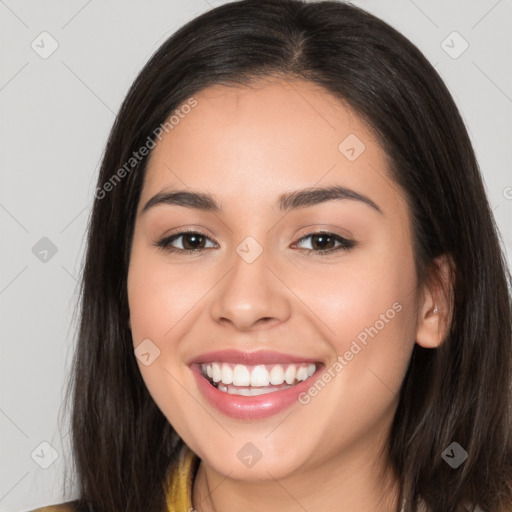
(345, 244)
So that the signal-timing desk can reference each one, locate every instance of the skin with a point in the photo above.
(246, 146)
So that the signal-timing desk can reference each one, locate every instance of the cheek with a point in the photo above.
(367, 313)
(348, 291)
(159, 295)
(375, 348)
(365, 308)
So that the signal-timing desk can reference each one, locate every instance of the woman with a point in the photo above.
(294, 296)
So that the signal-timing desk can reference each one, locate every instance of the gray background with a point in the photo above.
(56, 115)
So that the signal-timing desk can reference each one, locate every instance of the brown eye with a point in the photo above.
(324, 242)
(191, 241)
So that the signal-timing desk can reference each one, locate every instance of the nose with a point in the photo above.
(251, 294)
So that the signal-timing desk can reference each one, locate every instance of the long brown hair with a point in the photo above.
(122, 443)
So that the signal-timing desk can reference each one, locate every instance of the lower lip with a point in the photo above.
(250, 407)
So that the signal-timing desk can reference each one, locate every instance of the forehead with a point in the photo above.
(254, 142)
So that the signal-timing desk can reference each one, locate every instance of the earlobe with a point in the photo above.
(428, 331)
(435, 305)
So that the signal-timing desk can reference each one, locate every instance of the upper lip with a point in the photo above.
(250, 358)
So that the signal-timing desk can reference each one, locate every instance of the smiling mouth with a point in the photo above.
(252, 380)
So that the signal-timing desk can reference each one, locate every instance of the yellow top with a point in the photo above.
(178, 488)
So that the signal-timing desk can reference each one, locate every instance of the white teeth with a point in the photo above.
(259, 376)
(233, 390)
(302, 373)
(227, 374)
(289, 374)
(241, 375)
(277, 375)
(216, 373)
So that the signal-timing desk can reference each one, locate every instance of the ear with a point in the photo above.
(436, 294)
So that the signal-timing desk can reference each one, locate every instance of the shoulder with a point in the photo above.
(62, 507)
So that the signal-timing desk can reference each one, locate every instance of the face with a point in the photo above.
(306, 310)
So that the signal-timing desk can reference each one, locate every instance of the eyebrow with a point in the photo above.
(289, 201)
